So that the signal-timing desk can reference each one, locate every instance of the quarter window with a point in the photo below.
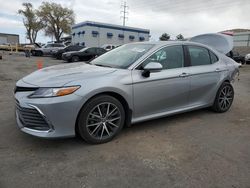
(213, 57)
(169, 57)
(199, 56)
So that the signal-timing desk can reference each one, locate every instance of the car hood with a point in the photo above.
(59, 75)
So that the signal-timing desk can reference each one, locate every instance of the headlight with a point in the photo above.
(53, 92)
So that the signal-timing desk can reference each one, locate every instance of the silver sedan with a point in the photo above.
(133, 83)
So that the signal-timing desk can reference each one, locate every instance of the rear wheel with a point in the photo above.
(224, 98)
(101, 119)
(75, 59)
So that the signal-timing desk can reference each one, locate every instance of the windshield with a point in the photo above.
(122, 57)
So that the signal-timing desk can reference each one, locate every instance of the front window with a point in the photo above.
(123, 56)
(169, 57)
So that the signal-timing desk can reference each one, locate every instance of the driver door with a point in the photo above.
(164, 91)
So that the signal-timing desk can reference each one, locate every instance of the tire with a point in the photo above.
(101, 119)
(33, 53)
(58, 56)
(224, 98)
(75, 59)
(39, 53)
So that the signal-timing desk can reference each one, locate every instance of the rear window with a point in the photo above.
(213, 57)
(58, 45)
(199, 56)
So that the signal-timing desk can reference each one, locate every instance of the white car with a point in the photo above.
(247, 59)
(47, 49)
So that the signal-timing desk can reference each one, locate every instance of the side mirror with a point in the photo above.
(151, 67)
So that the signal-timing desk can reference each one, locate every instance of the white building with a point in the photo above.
(95, 34)
(6, 38)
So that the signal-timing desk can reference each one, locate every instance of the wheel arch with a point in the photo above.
(119, 97)
(226, 81)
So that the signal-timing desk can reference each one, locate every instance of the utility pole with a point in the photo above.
(124, 12)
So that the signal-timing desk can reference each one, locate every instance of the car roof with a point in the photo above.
(158, 44)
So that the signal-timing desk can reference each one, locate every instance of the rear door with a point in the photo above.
(204, 75)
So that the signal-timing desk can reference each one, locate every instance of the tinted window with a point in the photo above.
(58, 45)
(214, 58)
(199, 56)
(91, 50)
(48, 46)
(170, 57)
(100, 50)
(74, 48)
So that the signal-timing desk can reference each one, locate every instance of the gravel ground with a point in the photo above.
(196, 149)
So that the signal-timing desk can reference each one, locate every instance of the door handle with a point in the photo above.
(217, 70)
(184, 74)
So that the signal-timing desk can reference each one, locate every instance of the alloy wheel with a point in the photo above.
(226, 97)
(103, 121)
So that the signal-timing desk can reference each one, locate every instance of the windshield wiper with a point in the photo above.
(100, 65)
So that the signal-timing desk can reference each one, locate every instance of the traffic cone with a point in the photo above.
(39, 64)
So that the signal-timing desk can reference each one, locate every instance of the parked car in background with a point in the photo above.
(236, 57)
(108, 47)
(47, 49)
(85, 54)
(58, 53)
(247, 59)
(133, 83)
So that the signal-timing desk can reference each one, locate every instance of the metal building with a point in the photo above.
(242, 39)
(6, 38)
(96, 34)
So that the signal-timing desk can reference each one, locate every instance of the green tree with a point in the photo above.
(31, 22)
(164, 37)
(179, 37)
(57, 19)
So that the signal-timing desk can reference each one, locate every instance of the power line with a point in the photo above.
(124, 12)
(183, 6)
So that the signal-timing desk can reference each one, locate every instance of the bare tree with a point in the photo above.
(57, 19)
(31, 22)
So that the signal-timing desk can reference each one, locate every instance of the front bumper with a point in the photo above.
(48, 117)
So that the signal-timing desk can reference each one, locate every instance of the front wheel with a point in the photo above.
(224, 98)
(75, 59)
(101, 119)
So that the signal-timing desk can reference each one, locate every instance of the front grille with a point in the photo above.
(31, 118)
(24, 89)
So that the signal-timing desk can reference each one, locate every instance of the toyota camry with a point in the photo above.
(132, 83)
